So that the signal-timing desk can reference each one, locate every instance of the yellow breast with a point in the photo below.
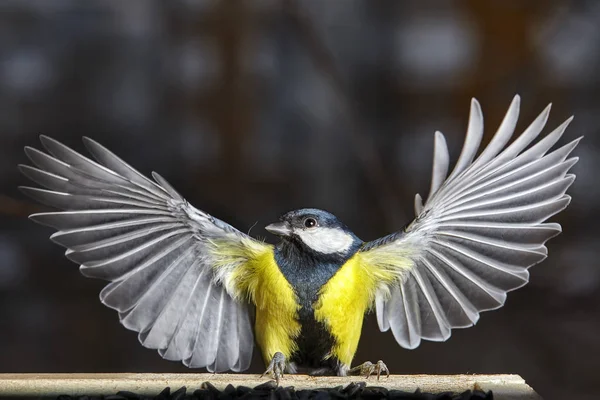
(276, 326)
(342, 304)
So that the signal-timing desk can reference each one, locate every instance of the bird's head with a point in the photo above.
(317, 230)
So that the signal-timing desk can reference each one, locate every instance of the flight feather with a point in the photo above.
(478, 232)
(170, 278)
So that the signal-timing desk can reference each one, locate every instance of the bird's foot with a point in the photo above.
(276, 367)
(368, 368)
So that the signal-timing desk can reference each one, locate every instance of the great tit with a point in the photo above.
(203, 292)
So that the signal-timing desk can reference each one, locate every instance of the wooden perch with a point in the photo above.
(504, 387)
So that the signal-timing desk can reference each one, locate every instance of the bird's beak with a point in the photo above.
(279, 228)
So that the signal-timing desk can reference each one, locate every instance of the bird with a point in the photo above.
(204, 293)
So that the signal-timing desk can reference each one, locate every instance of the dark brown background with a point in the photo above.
(253, 108)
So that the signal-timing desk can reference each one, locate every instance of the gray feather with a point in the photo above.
(110, 160)
(517, 194)
(455, 304)
(178, 347)
(67, 220)
(403, 314)
(52, 181)
(502, 136)
(441, 160)
(380, 310)
(151, 245)
(164, 184)
(96, 233)
(103, 249)
(522, 141)
(472, 141)
(196, 345)
(529, 214)
(418, 204)
(525, 235)
(245, 338)
(540, 148)
(116, 265)
(148, 282)
(221, 348)
(434, 324)
(67, 201)
(165, 324)
(556, 159)
(478, 232)
(89, 175)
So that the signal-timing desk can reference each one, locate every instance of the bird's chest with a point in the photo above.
(331, 309)
(341, 307)
(314, 341)
(307, 279)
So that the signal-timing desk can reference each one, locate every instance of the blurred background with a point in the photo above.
(253, 108)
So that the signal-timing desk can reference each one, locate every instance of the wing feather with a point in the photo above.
(522, 141)
(402, 315)
(97, 233)
(474, 136)
(166, 261)
(441, 160)
(451, 295)
(434, 324)
(178, 347)
(477, 234)
(114, 163)
(502, 136)
(519, 234)
(125, 293)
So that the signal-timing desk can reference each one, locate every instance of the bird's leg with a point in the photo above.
(276, 367)
(368, 368)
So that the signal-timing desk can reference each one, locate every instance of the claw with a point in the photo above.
(276, 367)
(382, 367)
(368, 368)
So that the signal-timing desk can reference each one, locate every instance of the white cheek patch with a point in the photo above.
(326, 240)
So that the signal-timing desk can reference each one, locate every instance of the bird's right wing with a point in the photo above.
(172, 268)
(480, 230)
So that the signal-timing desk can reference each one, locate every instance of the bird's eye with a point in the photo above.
(310, 222)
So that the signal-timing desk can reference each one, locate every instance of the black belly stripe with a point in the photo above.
(307, 272)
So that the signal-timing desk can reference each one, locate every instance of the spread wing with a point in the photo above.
(167, 262)
(480, 230)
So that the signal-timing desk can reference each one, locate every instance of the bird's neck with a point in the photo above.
(306, 270)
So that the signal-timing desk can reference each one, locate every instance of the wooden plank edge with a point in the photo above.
(504, 387)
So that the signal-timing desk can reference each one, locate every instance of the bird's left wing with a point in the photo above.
(172, 268)
(480, 230)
